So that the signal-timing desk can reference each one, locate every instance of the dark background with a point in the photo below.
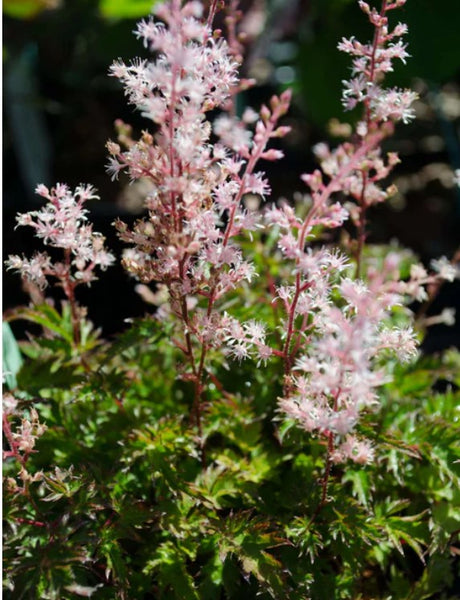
(60, 107)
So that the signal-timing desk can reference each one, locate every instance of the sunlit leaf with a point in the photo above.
(27, 9)
(12, 359)
(126, 9)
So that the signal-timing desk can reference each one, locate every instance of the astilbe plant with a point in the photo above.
(156, 466)
(195, 206)
(337, 326)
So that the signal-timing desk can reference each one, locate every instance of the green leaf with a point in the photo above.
(447, 515)
(408, 529)
(212, 576)
(169, 566)
(48, 317)
(38, 375)
(12, 360)
(360, 485)
(125, 9)
(116, 565)
(25, 9)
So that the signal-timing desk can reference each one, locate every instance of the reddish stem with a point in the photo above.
(212, 13)
(368, 119)
(10, 439)
(361, 226)
(319, 201)
(69, 290)
(255, 156)
(327, 472)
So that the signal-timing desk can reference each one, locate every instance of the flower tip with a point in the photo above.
(42, 190)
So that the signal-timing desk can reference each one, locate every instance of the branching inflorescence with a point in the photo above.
(21, 437)
(63, 223)
(195, 207)
(337, 327)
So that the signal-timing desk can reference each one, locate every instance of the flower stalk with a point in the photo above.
(196, 210)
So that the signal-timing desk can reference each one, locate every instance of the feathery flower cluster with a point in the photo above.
(196, 202)
(63, 223)
(370, 64)
(336, 331)
(336, 328)
(346, 342)
(355, 168)
(336, 376)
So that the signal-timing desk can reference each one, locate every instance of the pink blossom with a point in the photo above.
(63, 223)
(446, 270)
(401, 341)
(232, 133)
(196, 207)
(358, 450)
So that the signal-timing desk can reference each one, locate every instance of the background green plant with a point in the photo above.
(112, 9)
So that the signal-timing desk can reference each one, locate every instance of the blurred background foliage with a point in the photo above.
(60, 108)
